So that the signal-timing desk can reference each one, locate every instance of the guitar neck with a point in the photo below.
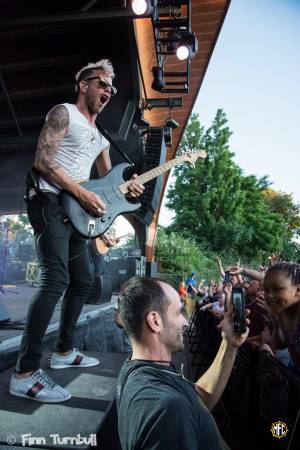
(153, 173)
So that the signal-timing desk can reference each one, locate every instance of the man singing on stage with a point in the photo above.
(68, 145)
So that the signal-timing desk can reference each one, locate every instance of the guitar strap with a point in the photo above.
(111, 141)
(32, 182)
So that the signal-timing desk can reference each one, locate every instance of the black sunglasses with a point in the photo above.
(103, 84)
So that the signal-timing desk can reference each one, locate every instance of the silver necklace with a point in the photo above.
(94, 131)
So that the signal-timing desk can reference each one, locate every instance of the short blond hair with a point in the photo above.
(104, 65)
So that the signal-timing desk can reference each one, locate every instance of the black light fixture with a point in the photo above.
(188, 46)
(172, 41)
(143, 7)
(158, 78)
(168, 136)
(180, 41)
(171, 123)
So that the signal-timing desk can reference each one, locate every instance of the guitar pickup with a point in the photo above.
(117, 191)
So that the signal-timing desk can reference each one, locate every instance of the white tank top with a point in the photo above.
(78, 149)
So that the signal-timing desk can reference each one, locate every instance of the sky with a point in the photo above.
(254, 75)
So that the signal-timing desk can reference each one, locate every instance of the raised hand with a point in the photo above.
(235, 270)
(274, 259)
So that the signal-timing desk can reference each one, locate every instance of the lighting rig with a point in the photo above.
(142, 126)
(171, 21)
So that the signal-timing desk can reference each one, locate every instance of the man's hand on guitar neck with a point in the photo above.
(110, 242)
(135, 188)
(91, 201)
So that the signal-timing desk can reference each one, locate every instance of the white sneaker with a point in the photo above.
(73, 359)
(39, 387)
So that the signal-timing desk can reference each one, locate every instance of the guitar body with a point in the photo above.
(88, 225)
(99, 247)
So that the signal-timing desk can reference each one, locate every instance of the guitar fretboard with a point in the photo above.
(153, 173)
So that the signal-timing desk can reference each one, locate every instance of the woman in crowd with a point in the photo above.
(282, 295)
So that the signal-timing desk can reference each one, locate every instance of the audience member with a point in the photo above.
(191, 285)
(216, 308)
(282, 295)
(159, 408)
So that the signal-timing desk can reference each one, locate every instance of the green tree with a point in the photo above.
(215, 203)
(200, 196)
(263, 230)
(282, 203)
(178, 255)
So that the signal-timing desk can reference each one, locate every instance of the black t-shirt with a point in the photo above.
(161, 410)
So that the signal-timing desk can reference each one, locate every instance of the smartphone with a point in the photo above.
(238, 301)
(227, 278)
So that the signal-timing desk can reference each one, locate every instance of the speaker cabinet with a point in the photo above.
(121, 269)
(151, 269)
(155, 155)
(101, 291)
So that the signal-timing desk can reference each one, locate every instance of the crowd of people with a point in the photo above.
(272, 296)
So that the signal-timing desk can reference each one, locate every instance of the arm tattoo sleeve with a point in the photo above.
(51, 135)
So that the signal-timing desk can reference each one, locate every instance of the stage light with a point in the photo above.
(171, 123)
(172, 41)
(168, 136)
(182, 52)
(189, 45)
(142, 7)
(158, 81)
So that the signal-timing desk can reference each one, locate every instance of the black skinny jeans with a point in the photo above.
(65, 272)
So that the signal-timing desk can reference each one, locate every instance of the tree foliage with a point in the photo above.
(179, 255)
(18, 227)
(283, 204)
(218, 206)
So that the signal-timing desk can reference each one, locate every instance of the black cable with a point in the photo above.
(110, 140)
(140, 67)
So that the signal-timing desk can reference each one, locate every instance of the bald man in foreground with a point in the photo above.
(157, 407)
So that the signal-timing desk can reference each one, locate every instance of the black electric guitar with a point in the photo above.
(112, 189)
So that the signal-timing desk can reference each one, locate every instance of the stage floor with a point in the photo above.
(92, 391)
(16, 301)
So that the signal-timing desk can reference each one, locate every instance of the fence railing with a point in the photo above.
(172, 278)
(260, 390)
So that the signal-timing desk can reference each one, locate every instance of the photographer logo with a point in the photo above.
(279, 429)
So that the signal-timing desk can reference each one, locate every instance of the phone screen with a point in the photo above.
(238, 301)
(236, 297)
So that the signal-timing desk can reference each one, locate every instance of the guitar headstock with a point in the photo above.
(192, 156)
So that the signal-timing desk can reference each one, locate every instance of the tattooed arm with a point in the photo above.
(53, 132)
